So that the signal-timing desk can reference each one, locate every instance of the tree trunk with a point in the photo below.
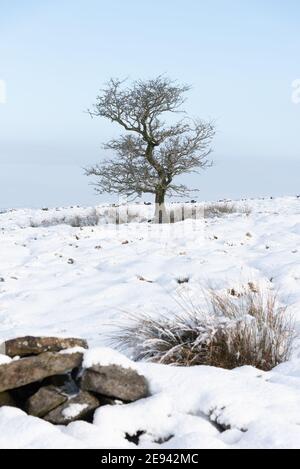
(161, 215)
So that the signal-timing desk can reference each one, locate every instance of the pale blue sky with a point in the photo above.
(240, 56)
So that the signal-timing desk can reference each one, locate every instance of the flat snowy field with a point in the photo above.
(58, 279)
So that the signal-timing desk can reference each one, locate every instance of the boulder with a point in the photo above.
(22, 394)
(30, 370)
(116, 382)
(27, 346)
(44, 401)
(7, 400)
(81, 407)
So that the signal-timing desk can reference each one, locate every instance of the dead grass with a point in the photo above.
(220, 209)
(234, 331)
(76, 221)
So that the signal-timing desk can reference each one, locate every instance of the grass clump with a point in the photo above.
(221, 209)
(234, 331)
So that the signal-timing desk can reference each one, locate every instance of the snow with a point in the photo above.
(105, 356)
(134, 267)
(187, 409)
(18, 430)
(4, 359)
(71, 351)
(73, 410)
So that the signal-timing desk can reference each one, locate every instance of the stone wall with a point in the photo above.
(44, 377)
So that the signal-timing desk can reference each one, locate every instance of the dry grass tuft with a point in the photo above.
(235, 331)
(220, 209)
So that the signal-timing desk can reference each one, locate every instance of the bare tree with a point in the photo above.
(151, 154)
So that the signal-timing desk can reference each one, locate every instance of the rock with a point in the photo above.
(44, 401)
(64, 382)
(22, 394)
(135, 439)
(116, 382)
(7, 400)
(30, 370)
(81, 407)
(26, 346)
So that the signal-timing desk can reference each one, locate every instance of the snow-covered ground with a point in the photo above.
(58, 279)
